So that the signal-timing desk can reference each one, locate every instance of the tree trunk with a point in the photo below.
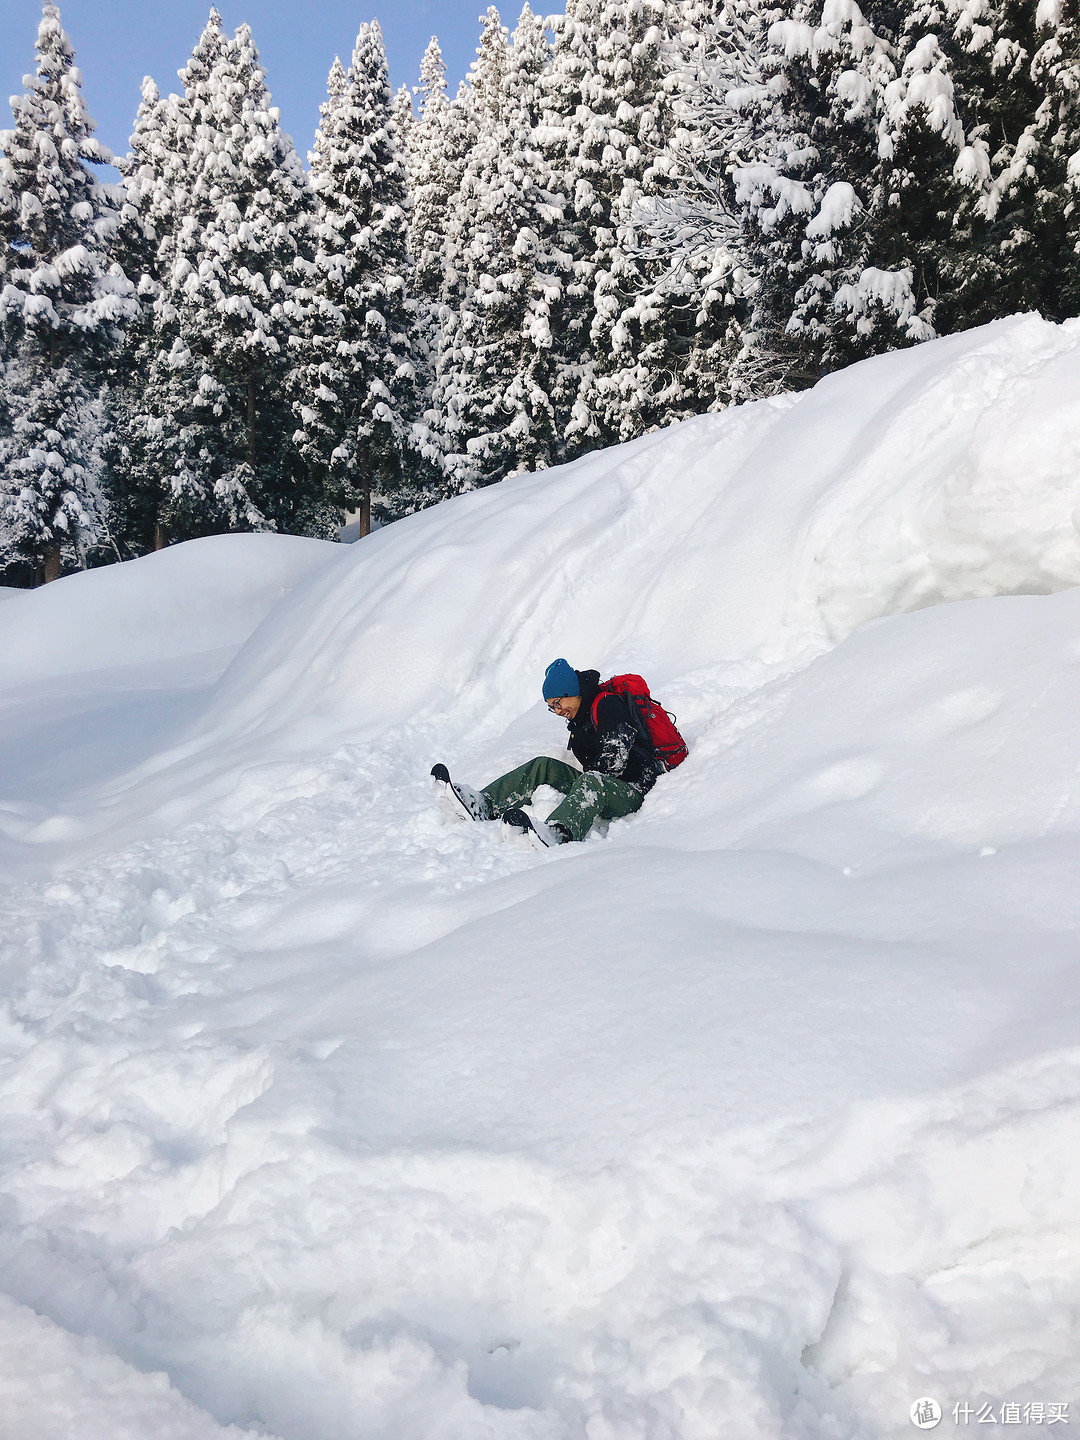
(159, 536)
(365, 510)
(52, 563)
(251, 419)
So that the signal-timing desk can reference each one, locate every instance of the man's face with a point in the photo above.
(565, 705)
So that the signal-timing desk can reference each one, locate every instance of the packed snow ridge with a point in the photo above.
(753, 1116)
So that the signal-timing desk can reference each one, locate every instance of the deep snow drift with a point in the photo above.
(115, 648)
(754, 1116)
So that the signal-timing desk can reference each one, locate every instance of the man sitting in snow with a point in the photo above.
(620, 766)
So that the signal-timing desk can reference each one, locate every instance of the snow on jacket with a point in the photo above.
(614, 745)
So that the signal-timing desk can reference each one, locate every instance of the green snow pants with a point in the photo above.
(588, 797)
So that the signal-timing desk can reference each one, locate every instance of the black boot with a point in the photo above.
(541, 836)
(461, 797)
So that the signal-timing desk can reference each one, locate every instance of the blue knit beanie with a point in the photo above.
(560, 678)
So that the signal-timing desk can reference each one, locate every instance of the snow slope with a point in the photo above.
(113, 648)
(754, 1116)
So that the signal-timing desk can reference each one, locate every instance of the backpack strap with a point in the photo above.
(637, 720)
(602, 691)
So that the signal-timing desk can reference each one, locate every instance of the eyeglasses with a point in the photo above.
(555, 705)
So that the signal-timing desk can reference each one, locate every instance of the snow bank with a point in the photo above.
(58, 1385)
(102, 668)
(757, 537)
(201, 596)
(914, 734)
(751, 1117)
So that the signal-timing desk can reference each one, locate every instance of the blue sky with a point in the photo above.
(117, 42)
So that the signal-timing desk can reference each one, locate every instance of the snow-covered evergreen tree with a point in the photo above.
(315, 378)
(702, 263)
(436, 161)
(473, 119)
(434, 158)
(496, 360)
(218, 433)
(156, 174)
(561, 96)
(918, 258)
(357, 383)
(1055, 208)
(64, 303)
(860, 163)
(808, 185)
(621, 155)
(149, 201)
(607, 122)
(405, 124)
(471, 124)
(1014, 66)
(860, 181)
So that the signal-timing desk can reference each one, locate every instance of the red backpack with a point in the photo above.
(649, 715)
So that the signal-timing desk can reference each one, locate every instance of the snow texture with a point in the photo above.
(325, 1116)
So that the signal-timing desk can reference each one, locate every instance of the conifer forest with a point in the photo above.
(628, 214)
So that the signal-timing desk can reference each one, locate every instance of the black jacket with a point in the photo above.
(614, 745)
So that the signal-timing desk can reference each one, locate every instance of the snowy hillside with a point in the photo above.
(327, 1117)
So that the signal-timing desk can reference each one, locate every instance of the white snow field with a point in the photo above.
(328, 1117)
